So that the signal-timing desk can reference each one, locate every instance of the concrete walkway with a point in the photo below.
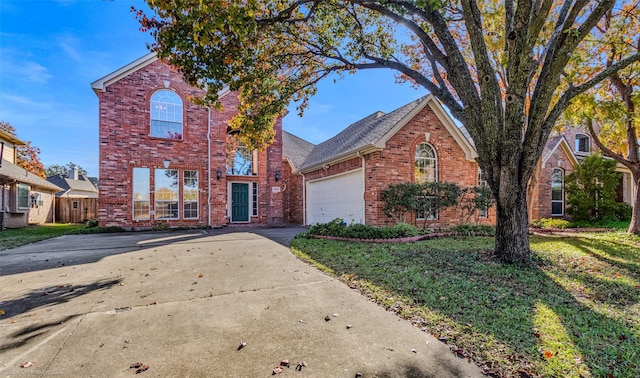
(182, 302)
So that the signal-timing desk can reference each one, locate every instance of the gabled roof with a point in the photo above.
(372, 132)
(82, 187)
(12, 172)
(101, 84)
(553, 144)
(295, 149)
(4, 135)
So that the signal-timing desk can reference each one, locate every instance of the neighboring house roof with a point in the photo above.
(553, 144)
(81, 188)
(295, 149)
(4, 135)
(94, 181)
(372, 132)
(11, 172)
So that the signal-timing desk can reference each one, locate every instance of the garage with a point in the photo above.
(339, 196)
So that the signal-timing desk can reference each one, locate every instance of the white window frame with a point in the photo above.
(146, 192)
(166, 111)
(173, 199)
(249, 156)
(185, 191)
(483, 214)
(561, 201)
(419, 168)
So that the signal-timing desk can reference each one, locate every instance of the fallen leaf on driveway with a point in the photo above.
(142, 368)
(26, 364)
(1, 312)
(136, 365)
(277, 370)
(201, 275)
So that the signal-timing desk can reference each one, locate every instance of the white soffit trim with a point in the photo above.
(101, 84)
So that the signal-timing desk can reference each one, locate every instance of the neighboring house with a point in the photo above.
(78, 200)
(165, 160)
(25, 198)
(344, 176)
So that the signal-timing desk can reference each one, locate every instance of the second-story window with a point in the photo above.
(241, 160)
(583, 143)
(166, 115)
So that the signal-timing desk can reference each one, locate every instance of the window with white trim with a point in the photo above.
(166, 193)
(557, 192)
(426, 170)
(23, 196)
(166, 115)
(482, 182)
(141, 188)
(190, 194)
(583, 143)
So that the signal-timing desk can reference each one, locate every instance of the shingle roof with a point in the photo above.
(364, 132)
(10, 171)
(295, 148)
(550, 146)
(74, 188)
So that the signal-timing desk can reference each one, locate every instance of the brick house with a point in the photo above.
(343, 176)
(165, 161)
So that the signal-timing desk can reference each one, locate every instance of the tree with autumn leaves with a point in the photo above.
(609, 109)
(27, 155)
(499, 67)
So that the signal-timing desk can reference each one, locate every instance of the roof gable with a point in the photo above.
(372, 132)
(101, 84)
(295, 149)
(553, 144)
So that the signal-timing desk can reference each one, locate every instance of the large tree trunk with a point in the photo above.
(634, 226)
(512, 225)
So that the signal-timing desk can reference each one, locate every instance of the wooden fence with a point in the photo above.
(76, 210)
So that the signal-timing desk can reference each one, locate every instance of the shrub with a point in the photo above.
(474, 230)
(591, 190)
(418, 198)
(551, 223)
(339, 228)
(92, 223)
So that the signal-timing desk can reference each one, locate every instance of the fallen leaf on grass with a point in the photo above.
(547, 354)
(26, 364)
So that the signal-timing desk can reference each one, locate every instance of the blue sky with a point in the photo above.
(51, 51)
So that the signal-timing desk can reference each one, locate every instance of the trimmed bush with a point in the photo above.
(551, 223)
(338, 228)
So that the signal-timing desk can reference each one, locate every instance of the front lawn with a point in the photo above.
(11, 238)
(574, 311)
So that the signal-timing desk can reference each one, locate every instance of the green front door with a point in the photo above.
(239, 202)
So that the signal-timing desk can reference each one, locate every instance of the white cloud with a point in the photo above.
(29, 71)
(69, 44)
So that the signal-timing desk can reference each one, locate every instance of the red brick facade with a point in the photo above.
(395, 164)
(541, 199)
(125, 144)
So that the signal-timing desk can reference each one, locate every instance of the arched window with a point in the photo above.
(166, 115)
(557, 192)
(426, 168)
(583, 143)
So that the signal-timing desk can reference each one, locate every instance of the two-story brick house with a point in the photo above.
(165, 160)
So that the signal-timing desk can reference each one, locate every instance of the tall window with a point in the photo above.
(141, 193)
(166, 115)
(23, 196)
(240, 160)
(190, 194)
(583, 143)
(557, 192)
(426, 165)
(166, 192)
(426, 169)
(482, 182)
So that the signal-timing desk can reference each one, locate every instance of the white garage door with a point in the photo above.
(339, 196)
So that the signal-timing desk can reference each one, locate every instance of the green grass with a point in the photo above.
(574, 311)
(11, 238)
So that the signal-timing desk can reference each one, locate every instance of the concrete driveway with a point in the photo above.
(182, 302)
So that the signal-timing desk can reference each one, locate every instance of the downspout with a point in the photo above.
(304, 200)
(364, 205)
(209, 166)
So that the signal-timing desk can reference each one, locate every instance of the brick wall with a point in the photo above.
(293, 198)
(541, 200)
(395, 165)
(125, 143)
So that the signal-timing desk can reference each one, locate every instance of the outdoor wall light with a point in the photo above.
(218, 174)
(166, 164)
(277, 176)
